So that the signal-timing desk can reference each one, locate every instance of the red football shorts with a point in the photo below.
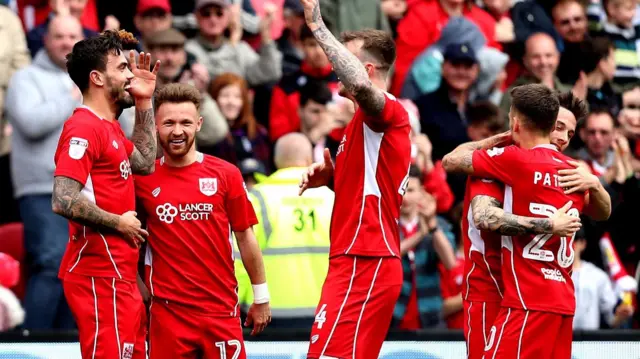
(478, 320)
(524, 334)
(178, 332)
(110, 316)
(356, 306)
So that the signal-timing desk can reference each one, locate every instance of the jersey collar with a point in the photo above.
(547, 146)
(199, 158)
(90, 110)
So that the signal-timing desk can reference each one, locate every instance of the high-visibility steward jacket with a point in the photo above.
(293, 234)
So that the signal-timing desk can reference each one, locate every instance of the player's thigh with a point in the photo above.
(169, 333)
(377, 308)
(334, 315)
(222, 339)
(526, 335)
(140, 350)
(478, 323)
(564, 339)
(129, 314)
(80, 294)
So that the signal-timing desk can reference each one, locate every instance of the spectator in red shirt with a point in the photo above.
(285, 98)
(421, 27)
(451, 287)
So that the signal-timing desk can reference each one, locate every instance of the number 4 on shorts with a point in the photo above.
(321, 317)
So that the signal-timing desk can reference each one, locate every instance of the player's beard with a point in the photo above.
(119, 95)
(176, 151)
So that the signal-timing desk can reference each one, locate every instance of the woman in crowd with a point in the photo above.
(247, 138)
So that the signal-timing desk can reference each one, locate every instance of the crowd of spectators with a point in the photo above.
(262, 76)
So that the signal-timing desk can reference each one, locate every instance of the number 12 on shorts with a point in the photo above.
(231, 343)
(321, 317)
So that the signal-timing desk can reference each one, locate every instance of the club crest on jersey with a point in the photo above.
(77, 147)
(115, 144)
(156, 192)
(208, 186)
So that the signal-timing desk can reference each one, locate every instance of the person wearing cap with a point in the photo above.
(293, 234)
(179, 66)
(222, 54)
(152, 16)
(443, 111)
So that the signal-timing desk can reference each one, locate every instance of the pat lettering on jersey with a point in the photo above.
(547, 179)
(168, 213)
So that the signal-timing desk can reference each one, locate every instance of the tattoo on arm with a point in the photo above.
(460, 160)
(146, 145)
(488, 215)
(349, 69)
(69, 202)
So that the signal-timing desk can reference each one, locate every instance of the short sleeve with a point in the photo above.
(497, 163)
(237, 203)
(392, 112)
(78, 148)
(486, 187)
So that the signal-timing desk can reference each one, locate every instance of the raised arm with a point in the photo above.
(460, 160)
(488, 215)
(143, 157)
(143, 85)
(346, 65)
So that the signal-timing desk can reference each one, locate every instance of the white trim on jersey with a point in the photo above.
(149, 336)
(373, 281)
(79, 254)
(473, 266)
(469, 331)
(501, 332)
(484, 324)
(335, 324)
(115, 316)
(148, 261)
(88, 191)
(507, 241)
(110, 257)
(524, 323)
(372, 143)
(477, 244)
(95, 304)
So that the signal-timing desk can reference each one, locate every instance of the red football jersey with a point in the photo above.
(191, 213)
(482, 268)
(95, 152)
(371, 169)
(536, 269)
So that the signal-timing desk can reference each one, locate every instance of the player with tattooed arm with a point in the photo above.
(369, 179)
(538, 299)
(93, 188)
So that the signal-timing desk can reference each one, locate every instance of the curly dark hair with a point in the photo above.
(91, 54)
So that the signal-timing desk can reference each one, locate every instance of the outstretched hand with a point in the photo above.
(318, 174)
(144, 83)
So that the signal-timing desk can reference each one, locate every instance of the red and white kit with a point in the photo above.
(482, 284)
(365, 272)
(537, 311)
(191, 214)
(99, 267)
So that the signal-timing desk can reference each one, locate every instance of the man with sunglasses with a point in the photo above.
(221, 53)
